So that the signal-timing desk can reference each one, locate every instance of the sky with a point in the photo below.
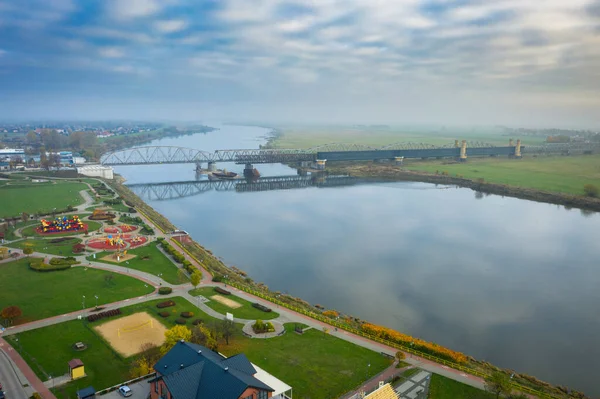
(510, 62)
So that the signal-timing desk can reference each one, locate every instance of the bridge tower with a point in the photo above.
(320, 164)
(463, 151)
(456, 144)
(212, 166)
(399, 161)
(518, 150)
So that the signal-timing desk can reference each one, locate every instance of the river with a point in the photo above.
(505, 280)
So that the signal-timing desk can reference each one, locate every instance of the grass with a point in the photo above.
(64, 248)
(47, 350)
(556, 173)
(445, 388)
(32, 198)
(31, 230)
(246, 311)
(156, 263)
(45, 294)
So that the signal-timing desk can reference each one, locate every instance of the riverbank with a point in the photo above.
(479, 184)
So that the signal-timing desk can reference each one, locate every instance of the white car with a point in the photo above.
(125, 391)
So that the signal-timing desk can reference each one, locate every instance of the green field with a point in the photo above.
(30, 231)
(445, 388)
(156, 263)
(64, 248)
(48, 350)
(306, 137)
(246, 311)
(33, 198)
(45, 294)
(557, 173)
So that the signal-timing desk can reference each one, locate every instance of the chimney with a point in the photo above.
(181, 366)
(226, 368)
(199, 351)
(182, 341)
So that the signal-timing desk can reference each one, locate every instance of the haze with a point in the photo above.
(526, 62)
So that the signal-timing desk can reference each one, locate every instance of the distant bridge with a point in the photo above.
(174, 190)
(332, 152)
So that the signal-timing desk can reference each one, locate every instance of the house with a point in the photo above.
(385, 391)
(190, 371)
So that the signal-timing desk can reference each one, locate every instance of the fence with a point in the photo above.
(316, 316)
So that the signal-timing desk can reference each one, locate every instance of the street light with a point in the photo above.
(96, 296)
(83, 302)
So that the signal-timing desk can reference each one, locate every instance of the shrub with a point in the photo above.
(222, 291)
(331, 314)
(180, 321)
(591, 190)
(261, 307)
(165, 304)
(101, 315)
(187, 315)
(164, 314)
(165, 290)
(262, 327)
(197, 321)
(217, 278)
(39, 266)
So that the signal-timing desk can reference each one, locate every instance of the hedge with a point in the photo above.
(165, 290)
(40, 266)
(222, 291)
(261, 307)
(187, 315)
(180, 321)
(165, 304)
(197, 321)
(101, 315)
(164, 314)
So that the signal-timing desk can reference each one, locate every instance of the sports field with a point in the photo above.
(127, 334)
(39, 197)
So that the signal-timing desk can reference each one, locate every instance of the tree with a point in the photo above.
(10, 313)
(400, 355)
(202, 335)
(591, 190)
(181, 276)
(227, 328)
(24, 217)
(196, 277)
(173, 335)
(143, 365)
(497, 383)
(27, 250)
(31, 137)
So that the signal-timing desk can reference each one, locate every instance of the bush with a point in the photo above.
(197, 321)
(591, 190)
(332, 314)
(187, 315)
(180, 321)
(261, 307)
(164, 314)
(165, 290)
(262, 327)
(222, 291)
(39, 266)
(217, 278)
(101, 315)
(165, 304)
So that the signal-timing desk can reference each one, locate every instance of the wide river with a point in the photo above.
(505, 280)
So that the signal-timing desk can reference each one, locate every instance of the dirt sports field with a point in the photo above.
(226, 301)
(127, 334)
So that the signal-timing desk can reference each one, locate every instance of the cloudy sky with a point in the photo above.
(516, 62)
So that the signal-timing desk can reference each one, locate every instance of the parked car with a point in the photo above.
(2, 395)
(124, 390)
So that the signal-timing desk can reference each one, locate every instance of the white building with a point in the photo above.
(105, 172)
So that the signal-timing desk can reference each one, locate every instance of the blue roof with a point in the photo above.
(192, 371)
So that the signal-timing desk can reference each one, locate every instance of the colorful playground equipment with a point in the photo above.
(59, 225)
(115, 241)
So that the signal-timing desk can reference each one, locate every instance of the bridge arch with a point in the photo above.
(156, 155)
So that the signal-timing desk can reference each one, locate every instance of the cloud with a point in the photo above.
(170, 26)
(111, 52)
(127, 9)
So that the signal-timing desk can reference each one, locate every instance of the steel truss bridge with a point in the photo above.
(343, 152)
(174, 190)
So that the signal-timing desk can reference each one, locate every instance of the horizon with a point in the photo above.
(403, 62)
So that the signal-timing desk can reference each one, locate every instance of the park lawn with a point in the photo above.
(120, 207)
(181, 305)
(246, 311)
(46, 294)
(47, 350)
(64, 248)
(10, 235)
(565, 174)
(156, 264)
(92, 226)
(34, 198)
(444, 388)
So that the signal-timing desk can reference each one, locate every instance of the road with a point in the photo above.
(11, 385)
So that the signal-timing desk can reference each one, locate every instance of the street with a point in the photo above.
(9, 380)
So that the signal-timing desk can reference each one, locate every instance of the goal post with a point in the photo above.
(135, 328)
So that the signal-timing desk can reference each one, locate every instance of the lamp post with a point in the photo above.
(159, 278)
(83, 302)
(96, 296)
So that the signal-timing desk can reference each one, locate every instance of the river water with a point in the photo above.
(509, 281)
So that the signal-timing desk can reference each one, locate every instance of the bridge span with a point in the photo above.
(317, 155)
(174, 190)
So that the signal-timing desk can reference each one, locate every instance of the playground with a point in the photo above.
(127, 334)
(124, 228)
(61, 225)
(116, 242)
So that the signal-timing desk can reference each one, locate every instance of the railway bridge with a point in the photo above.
(315, 157)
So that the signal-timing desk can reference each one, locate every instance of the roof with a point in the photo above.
(75, 363)
(85, 392)
(193, 371)
(384, 392)
(278, 386)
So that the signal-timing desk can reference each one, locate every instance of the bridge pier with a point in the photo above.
(250, 171)
(463, 151)
(399, 161)
(518, 150)
(212, 166)
(198, 166)
(320, 164)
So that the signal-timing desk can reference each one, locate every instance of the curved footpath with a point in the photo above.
(285, 316)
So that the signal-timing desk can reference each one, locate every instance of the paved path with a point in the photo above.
(11, 377)
(88, 200)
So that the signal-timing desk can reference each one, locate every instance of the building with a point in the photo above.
(385, 391)
(105, 172)
(190, 371)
